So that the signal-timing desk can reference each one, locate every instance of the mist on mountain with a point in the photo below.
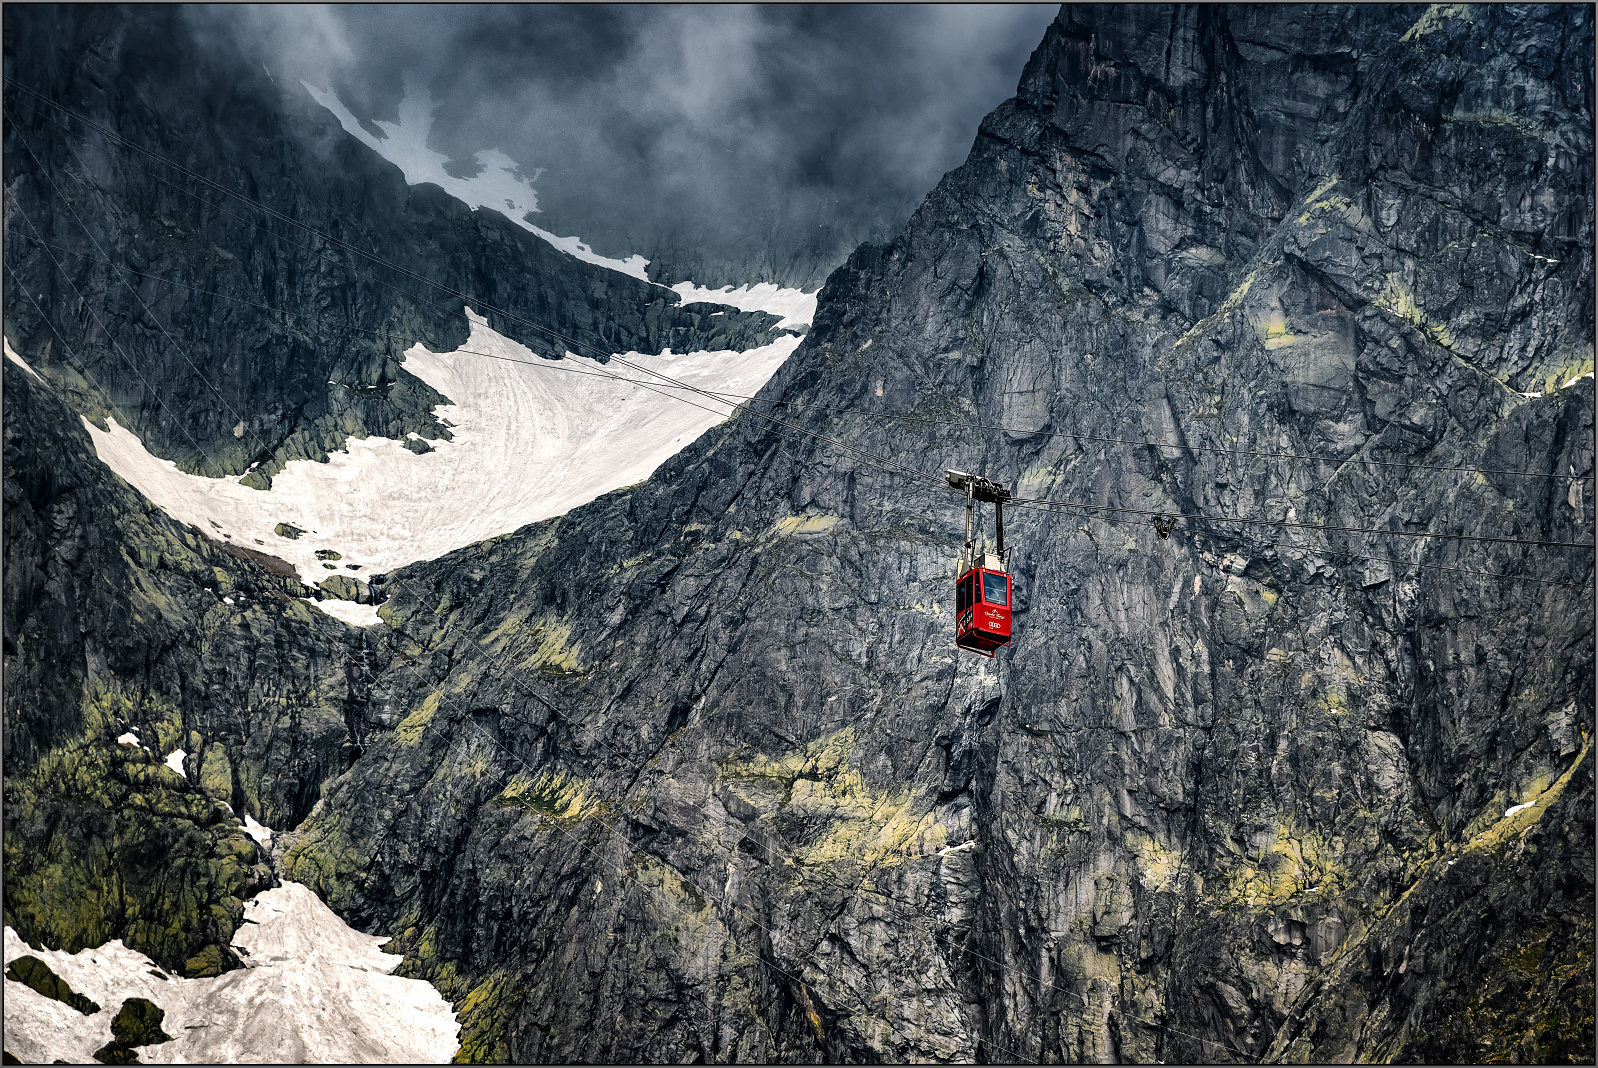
(726, 144)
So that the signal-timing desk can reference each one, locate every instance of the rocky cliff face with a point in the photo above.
(129, 638)
(697, 766)
(695, 771)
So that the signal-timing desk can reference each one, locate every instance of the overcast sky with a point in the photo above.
(772, 138)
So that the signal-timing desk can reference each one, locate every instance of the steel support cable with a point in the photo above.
(125, 358)
(928, 421)
(1387, 560)
(572, 341)
(863, 454)
(659, 387)
(1036, 502)
(722, 395)
(543, 363)
(557, 365)
(66, 201)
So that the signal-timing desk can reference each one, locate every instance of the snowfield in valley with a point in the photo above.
(531, 440)
(313, 991)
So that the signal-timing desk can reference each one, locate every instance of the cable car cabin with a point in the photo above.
(982, 610)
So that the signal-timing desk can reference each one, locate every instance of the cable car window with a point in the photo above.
(996, 588)
(962, 599)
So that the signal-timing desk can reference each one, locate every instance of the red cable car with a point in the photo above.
(983, 593)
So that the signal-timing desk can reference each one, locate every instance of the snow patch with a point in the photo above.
(313, 990)
(11, 354)
(130, 738)
(356, 615)
(499, 183)
(260, 832)
(795, 306)
(1517, 808)
(530, 442)
(174, 760)
(1567, 385)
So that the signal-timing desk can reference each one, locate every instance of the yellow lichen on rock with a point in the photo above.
(553, 794)
(804, 524)
(412, 726)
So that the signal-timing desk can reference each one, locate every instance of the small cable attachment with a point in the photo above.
(1163, 524)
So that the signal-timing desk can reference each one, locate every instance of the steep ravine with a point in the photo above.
(697, 766)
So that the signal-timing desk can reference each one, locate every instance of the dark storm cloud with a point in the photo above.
(772, 138)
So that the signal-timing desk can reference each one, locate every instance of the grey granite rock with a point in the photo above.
(695, 772)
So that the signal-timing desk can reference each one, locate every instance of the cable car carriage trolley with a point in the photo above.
(983, 593)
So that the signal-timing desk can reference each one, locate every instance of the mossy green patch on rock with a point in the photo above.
(138, 1023)
(551, 794)
(103, 842)
(208, 962)
(347, 588)
(216, 773)
(33, 972)
(484, 1014)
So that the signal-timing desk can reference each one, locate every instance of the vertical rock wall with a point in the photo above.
(697, 765)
